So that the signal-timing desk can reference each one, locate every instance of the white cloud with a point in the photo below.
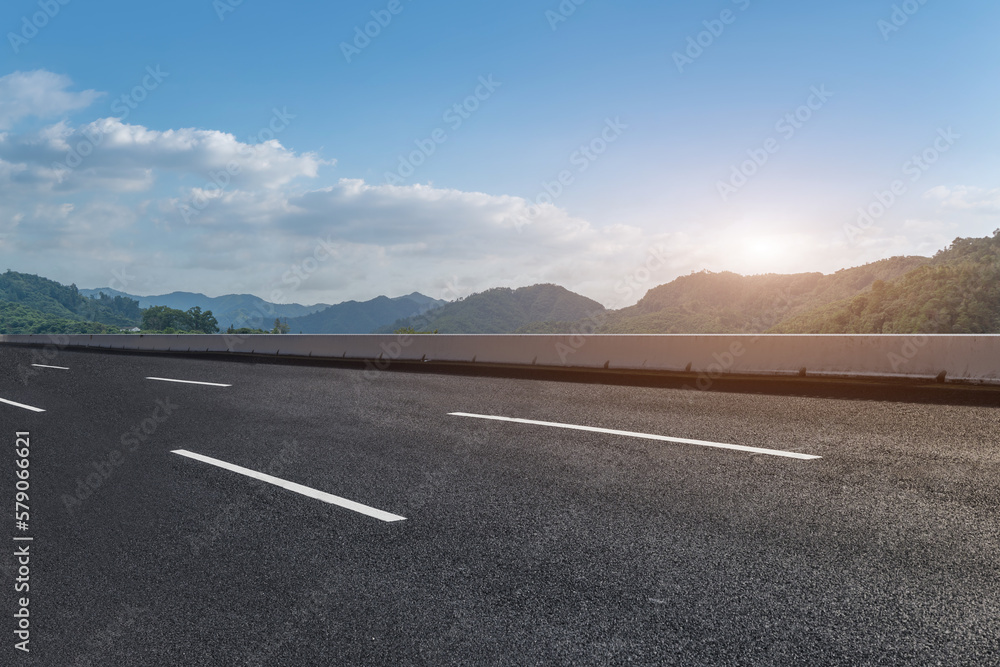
(401, 235)
(966, 198)
(96, 202)
(39, 93)
(108, 155)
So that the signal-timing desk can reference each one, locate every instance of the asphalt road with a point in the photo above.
(522, 543)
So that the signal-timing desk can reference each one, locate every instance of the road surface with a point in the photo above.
(228, 522)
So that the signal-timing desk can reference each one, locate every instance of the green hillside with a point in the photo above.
(730, 303)
(503, 310)
(230, 309)
(45, 300)
(362, 316)
(16, 318)
(957, 291)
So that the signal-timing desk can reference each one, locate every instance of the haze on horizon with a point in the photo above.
(224, 147)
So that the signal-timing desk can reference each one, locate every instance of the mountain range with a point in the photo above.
(730, 303)
(32, 304)
(501, 310)
(238, 310)
(247, 310)
(363, 316)
(955, 291)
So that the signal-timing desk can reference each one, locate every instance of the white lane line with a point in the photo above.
(298, 488)
(648, 436)
(62, 368)
(20, 405)
(208, 384)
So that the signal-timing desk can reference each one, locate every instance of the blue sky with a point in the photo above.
(268, 148)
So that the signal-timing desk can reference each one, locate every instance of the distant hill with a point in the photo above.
(238, 310)
(957, 291)
(32, 304)
(363, 316)
(16, 318)
(502, 310)
(730, 303)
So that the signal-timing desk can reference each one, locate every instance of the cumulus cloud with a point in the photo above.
(39, 93)
(404, 235)
(108, 154)
(107, 203)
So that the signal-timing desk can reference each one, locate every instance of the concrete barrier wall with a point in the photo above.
(961, 357)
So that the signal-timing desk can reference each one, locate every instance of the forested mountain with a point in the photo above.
(730, 303)
(957, 291)
(32, 304)
(503, 310)
(238, 310)
(363, 316)
(16, 318)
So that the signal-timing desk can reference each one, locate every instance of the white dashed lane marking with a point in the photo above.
(208, 384)
(647, 436)
(21, 405)
(297, 488)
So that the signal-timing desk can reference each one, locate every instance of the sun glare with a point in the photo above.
(764, 254)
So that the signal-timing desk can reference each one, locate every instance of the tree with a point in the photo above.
(243, 330)
(280, 327)
(171, 320)
(204, 322)
(159, 318)
(411, 330)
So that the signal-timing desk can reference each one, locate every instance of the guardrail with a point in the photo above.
(945, 358)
